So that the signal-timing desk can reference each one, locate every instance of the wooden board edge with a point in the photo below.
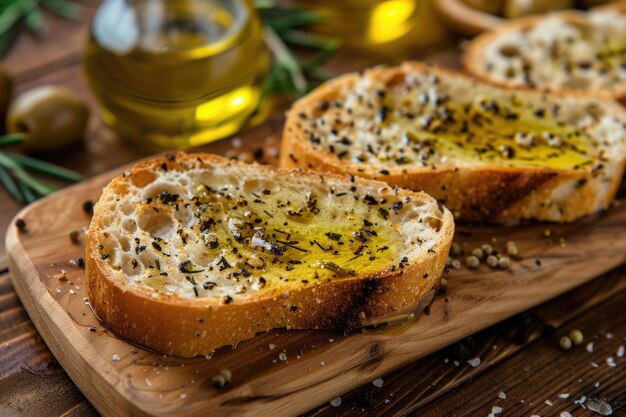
(31, 291)
(29, 287)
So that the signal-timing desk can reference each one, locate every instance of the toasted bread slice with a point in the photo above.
(487, 153)
(568, 50)
(189, 253)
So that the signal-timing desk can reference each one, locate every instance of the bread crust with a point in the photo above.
(472, 57)
(189, 327)
(490, 194)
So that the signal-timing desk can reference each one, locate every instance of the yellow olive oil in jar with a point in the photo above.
(176, 73)
(386, 28)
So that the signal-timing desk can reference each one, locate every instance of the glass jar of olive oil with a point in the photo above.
(386, 28)
(176, 73)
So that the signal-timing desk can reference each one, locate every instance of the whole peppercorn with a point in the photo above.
(504, 262)
(20, 224)
(73, 235)
(511, 248)
(455, 249)
(80, 262)
(219, 381)
(487, 249)
(88, 207)
(222, 378)
(492, 261)
(565, 343)
(478, 252)
(472, 262)
(576, 336)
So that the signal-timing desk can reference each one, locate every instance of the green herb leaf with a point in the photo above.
(11, 187)
(45, 168)
(24, 177)
(12, 139)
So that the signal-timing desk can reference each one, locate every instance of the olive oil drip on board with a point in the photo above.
(176, 74)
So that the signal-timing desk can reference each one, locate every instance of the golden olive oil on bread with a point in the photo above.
(192, 252)
(488, 153)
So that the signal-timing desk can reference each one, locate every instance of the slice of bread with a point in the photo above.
(192, 252)
(487, 153)
(569, 50)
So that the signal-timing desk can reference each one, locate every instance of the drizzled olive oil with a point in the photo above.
(174, 74)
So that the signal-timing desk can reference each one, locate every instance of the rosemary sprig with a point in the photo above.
(285, 26)
(15, 13)
(22, 186)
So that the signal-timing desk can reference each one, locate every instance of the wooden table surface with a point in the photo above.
(523, 371)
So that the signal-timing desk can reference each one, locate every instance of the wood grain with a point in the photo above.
(423, 385)
(320, 365)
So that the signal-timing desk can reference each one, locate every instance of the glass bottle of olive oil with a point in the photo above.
(386, 28)
(176, 73)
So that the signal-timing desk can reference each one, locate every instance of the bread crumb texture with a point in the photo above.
(198, 229)
(565, 50)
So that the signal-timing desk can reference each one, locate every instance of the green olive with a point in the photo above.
(6, 88)
(51, 117)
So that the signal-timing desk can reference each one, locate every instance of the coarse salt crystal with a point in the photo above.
(564, 396)
(609, 335)
(620, 351)
(474, 362)
(115, 357)
(183, 395)
(282, 356)
(335, 402)
(611, 362)
(589, 347)
(272, 346)
(72, 292)
(595, 365)
(496, 410)
(565, 414)
(502, 395)
(548, 402)
(378, 382)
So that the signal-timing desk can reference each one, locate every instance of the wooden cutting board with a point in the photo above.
(282, 372)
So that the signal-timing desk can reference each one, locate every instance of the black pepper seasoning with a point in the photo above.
(21, 225)
(88, 206)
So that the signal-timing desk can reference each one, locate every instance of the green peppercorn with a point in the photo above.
(472, 262)
(504, 262)
(478, 252)
(74, 235)
(576, 336)
(565, 343)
